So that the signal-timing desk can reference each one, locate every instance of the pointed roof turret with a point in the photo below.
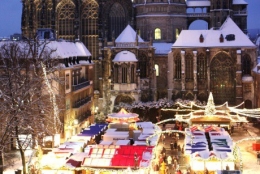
(128, 35)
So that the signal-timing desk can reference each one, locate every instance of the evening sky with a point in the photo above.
(11, 10)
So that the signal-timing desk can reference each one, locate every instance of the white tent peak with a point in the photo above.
(128, 35)
(210, 108)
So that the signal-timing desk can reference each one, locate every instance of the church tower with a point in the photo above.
(161, 19)
(114, 16)
(221, 9)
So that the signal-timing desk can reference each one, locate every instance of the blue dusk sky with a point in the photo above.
(11, 10)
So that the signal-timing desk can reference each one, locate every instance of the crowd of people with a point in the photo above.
(169, 160)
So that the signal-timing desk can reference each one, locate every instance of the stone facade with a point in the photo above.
(128, 81)
(223, 75)
(98, 23)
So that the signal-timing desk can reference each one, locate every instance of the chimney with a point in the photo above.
(201, 38)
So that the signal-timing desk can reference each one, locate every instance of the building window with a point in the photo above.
(178, 67)
(247, 88)
(139, 32)
(218, 4)
(222, 78)
(89, 26)
(67, 104)
(124, 74)
(44, 14)
(177, 33)
(116, 74)
(189, 67)
(117, 20)
(76, 77)
(65, 11)
(201, 66)
(157, 34)
(142, 65)
(67, 81)
(246, 65)
(156, 67)
(132, 74)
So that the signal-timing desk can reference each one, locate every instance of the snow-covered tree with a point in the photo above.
(161, 103)
(27, 69)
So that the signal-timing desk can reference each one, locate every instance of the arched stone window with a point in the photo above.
(89, 25)
(44, 14)
(201, 66)
(218, 4)
(189, 67)
(124, 74)
(177, 61)
(66, 16)
(246, 65)
(177, 33)
(222, 78)
(117, 20)
(115, 72)
(156, 67)
(132, 78)
(225, 4)
(157, 34)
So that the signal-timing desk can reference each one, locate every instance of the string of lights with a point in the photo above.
(52, 98)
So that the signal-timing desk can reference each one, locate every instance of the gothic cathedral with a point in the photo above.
(132, 68)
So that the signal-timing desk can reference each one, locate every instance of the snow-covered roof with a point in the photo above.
(59, 49)
(247, 79)
(239, 2)
(162, 48)
(68, 49)
(190, 38)
(128, 35)
(83, 49)
(125, 56)
(196, 3)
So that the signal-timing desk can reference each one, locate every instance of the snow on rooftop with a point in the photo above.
(59, 49)
(125, 56)
(83, 49)
(203, 3)
(247, 78)
(239, 2)
(162, 48)
(197, 3)
(68, 49)
(190, 38)
(128, 35)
